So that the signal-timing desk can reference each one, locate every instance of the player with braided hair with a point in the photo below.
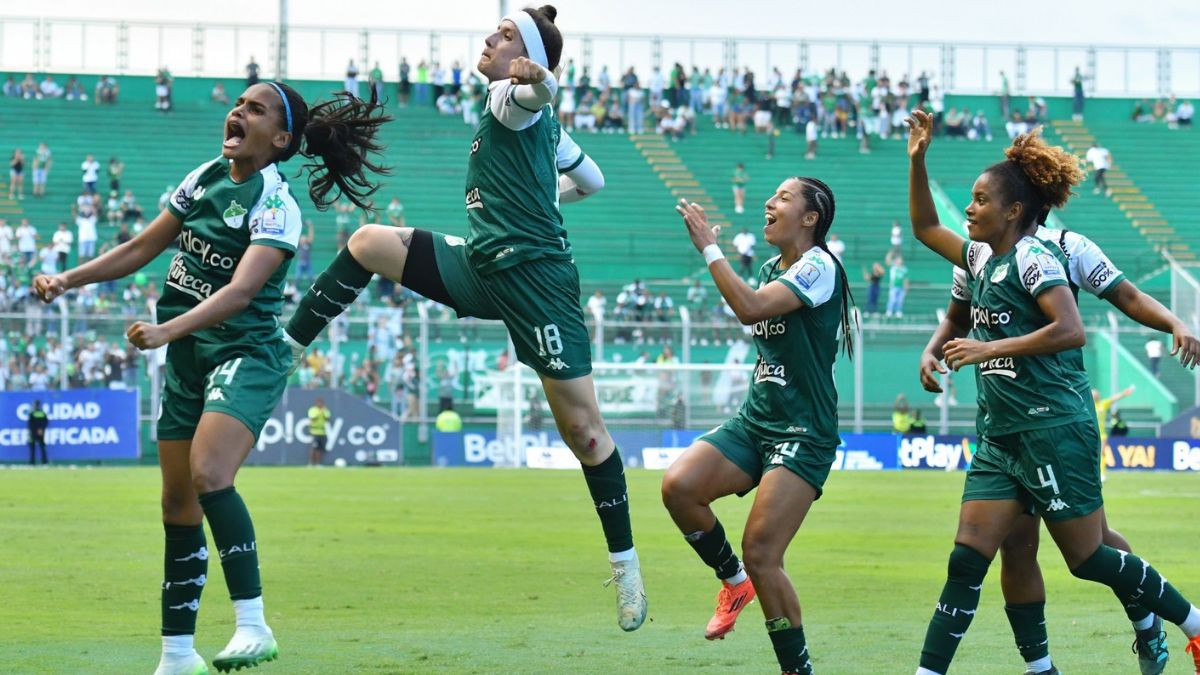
(789, 420)
(1038, 445)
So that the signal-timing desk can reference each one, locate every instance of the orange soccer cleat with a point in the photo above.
(1193, 648)
(732, 599)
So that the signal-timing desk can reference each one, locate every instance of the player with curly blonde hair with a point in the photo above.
(1038, 446)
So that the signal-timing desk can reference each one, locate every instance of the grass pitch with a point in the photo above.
(498, 571)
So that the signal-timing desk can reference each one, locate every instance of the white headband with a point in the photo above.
(531, 36)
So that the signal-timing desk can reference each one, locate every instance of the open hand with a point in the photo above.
(697, 224)
(929, 366)
(49, 286)
(961, 352)
(920, 133)
(1186, 346)
(146, 335)
(524, 71)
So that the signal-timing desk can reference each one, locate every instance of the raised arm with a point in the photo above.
(749, 305)
(518, 101)
(921, 210)
(1142, 308)
(121, 261)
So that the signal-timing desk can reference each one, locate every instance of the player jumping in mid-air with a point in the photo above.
(515, 265)
(1038, 442)
(789, 419)
(238, 226)
(1020, 575)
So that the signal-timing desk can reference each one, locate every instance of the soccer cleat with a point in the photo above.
(1193, 648)
(631, 594)
(249, 646)
(1150, 645)
(1051, 671)
(185, 664)
(731, 600)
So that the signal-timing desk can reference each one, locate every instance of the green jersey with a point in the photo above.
(793, 393)
(512, 184)
(221, 219)
(1029, 392)
(740, 178)
(897, 274)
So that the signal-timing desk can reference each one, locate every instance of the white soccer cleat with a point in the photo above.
(631, 594)
(249, 646)
(182, 664)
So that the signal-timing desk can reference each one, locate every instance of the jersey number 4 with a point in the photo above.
(225, 370)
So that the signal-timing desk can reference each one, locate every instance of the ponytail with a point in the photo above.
(339, 135)
(818, 197)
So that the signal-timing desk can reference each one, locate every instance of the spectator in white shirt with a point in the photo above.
(744, 243)
(836, 246)
(50, 88)
(657, 84)
(49, 260)
(1184, 114)
(1154, 352)
(85, 221)
(91, 173)
(62, 245)
(1100, 160)
(6, 239)
(596, 303)
(26, 242)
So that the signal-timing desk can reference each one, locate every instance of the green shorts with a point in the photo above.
(756, 455)
(244, 380)
(1054, 471)
(538, 301)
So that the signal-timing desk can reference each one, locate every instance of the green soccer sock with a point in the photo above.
(1134, 581)
(790, 647)
(955, 609)
(714, 549)
(606, 483)
(1134, 610)
(331, 294)
(185, 570)
(1028, 623)
(233, 533)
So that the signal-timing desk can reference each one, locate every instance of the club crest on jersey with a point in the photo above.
(235, 215)
(999, 273)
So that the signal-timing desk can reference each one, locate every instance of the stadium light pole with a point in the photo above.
(281, 45)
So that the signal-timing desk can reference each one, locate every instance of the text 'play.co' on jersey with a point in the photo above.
(221, 219)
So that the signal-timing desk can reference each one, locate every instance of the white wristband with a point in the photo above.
(712, 253)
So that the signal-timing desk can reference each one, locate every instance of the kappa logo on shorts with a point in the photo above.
(216, 395)
(1057, 504)
(557, 364)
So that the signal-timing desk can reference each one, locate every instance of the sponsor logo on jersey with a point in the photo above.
(452, 240)
(473, 199)
(179, 278)
(272, 219)
(1001, 366)
(1032, 276)
(1057, 504)
(475, 145)
(1100, 274)
(797, 430)
(185, 201)
(557, 364)
(768, 328)
(980, 316)
(972, 256)
(807, 275)
(999, 273)
(959, 290)
(235, 215)
(190, 242)
(1049, 265)
(770, 372)
(1040, 410)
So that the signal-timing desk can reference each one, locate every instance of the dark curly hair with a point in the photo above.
(1037, 175)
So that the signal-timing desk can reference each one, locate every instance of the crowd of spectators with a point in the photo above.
(1170, 111)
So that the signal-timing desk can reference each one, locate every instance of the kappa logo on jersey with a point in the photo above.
(216, 394)
(1100, 274)
(557, 364)
(1001, 366)
(272, 219)
(1057, 504)
(1040, 410)
(999, 273)
(807, 276)
(235, 215)
(770, 372)
(452, 240)
(185, 201)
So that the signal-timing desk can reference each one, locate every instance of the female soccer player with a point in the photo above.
(789, 418)
(238, 225)
(1020, 575)
(515, 265)
(1039, 443)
